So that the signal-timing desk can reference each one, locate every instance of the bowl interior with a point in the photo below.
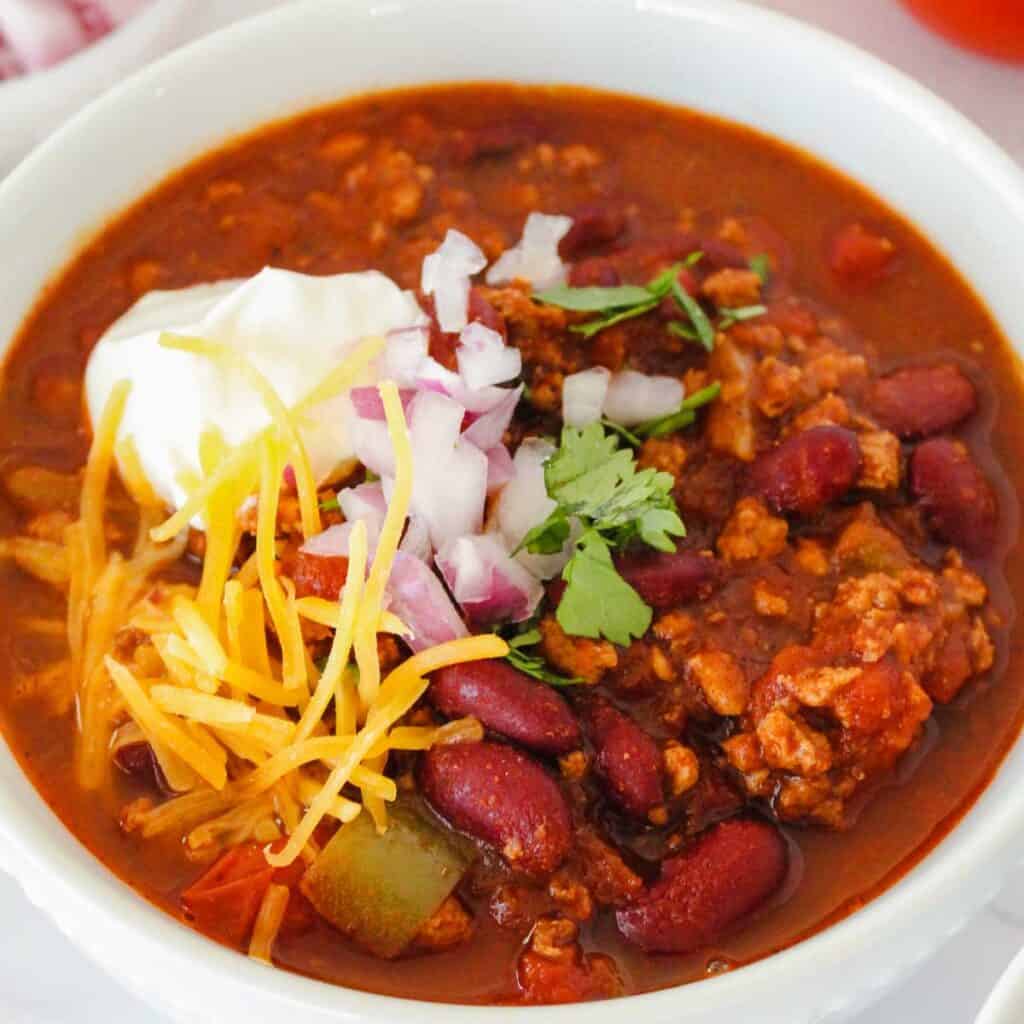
(715, 55)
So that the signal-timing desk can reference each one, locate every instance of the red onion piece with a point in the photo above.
(534, 257)
(446, 275)
(419, 599)
(488, 584)
(638, 397)
(583, 396)
(488, 429)
(484, 359)
(500, 468)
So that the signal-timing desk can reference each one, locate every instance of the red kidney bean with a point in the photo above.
(860, 256)
(506, 702)
(494, 140)
(626, 758)
(501, 796)
(593, 225)
(668, 579)
(725, 875)
(319, 575)
(136, 759)
(959, 504)
(922, 400)
(808, 470)
(596, 271)
(719, 254)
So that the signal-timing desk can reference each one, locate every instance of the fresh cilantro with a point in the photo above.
(761, 265)
(624, 302)
(594, 299)
(627, 435)
(734, 316)
(592, 327)
(597, 600)
(599, 485)
(683, 417)
(533, 664)
(691, 307)
(684, 331)
(330, 505)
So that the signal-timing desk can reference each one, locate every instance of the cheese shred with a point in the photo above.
(243, 729)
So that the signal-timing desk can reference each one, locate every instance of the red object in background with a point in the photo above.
(993, 27)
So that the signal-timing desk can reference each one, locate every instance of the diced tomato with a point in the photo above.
(225, 901)
(319, 575)
(859, 255)
(995, 27)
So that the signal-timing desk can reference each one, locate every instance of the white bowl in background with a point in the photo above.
(719, 56)
(33, 105)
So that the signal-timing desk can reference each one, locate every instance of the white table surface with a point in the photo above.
(45, 980)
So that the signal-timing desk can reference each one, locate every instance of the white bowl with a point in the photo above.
(1005, 1005)
(32, 106)
(716, 55)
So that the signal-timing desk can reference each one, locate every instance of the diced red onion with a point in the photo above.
(524, 503)
(404, 355)
(534, 257)
(450, 492)
(484, 359)
(500, 468)
(434, 424)
(637, 397)
(419, 599)
(370, 406)
(446, 275)
(583, 396)
(372, 445)
(489, 586)
(488, 429)
(416, 540)
(365, 502)
(329, 543)
(41, 32)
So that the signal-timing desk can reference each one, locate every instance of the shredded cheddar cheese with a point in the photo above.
(240, 727)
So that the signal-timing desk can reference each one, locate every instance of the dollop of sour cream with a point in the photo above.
(294, 328)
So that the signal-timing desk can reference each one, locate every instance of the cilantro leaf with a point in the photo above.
(735, 315)
(597, 600)
(599, 485)
(532, 664)
(588, 330)
(761, 265)
(330, 505)
(594, 299)
(615, 304)
(691, 307)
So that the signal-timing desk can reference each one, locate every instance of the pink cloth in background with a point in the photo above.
(36, 34)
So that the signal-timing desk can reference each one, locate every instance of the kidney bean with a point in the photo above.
(318, 575)
(598, 271)
(724, 876)
(860, 256)
(668, 579)
(626, 758)
(136, 759)
(507, 702)
(922, 400)
(808, 470)
(959, 504)
(494, 140)
(593, 225)
(502, 797)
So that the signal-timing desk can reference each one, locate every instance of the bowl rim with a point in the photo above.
(106, 895)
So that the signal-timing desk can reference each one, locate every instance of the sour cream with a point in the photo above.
(293, 327)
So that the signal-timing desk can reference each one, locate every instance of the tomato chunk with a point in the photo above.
(859, 255)
(224, 902)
